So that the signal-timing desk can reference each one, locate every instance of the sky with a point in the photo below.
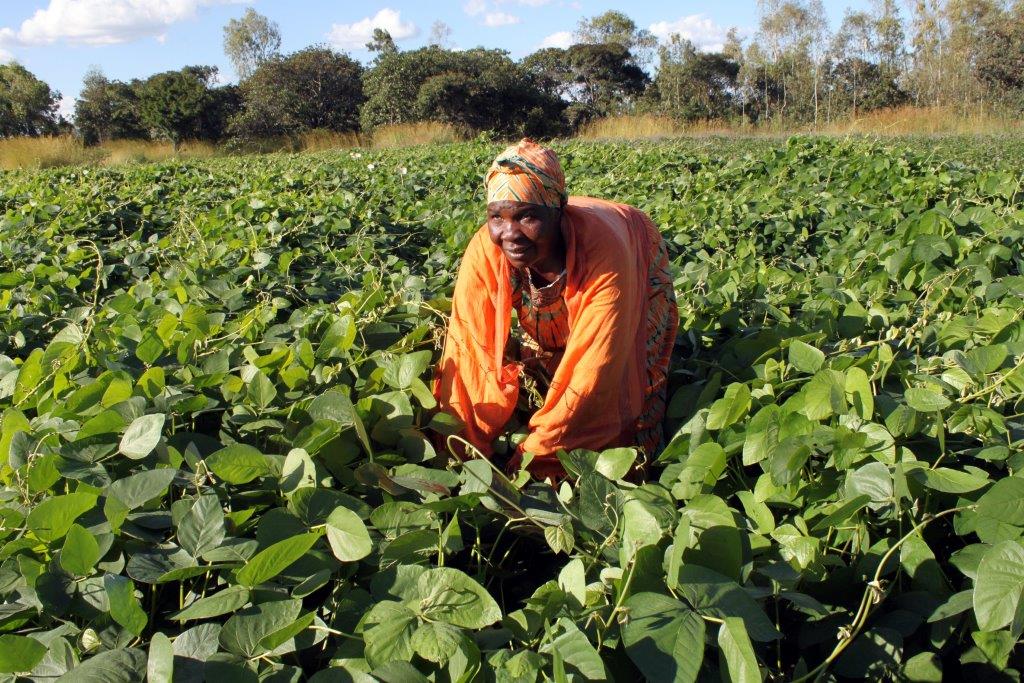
(59, 40)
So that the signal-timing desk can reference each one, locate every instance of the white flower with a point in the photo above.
(403, 170)
(370, 167)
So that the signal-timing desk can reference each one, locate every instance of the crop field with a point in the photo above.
(220, 457)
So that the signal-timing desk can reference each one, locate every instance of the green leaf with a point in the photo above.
(281, 636)
(347, 535)
(160, 666)
(244, 631)
(240, 464)
(124, 605)
(200, 525)
(142, 436)
(336, 406)
(824, 395)
(925, 400)
(949, 480)
(858, 392)
(53, 517)
(730, 408)
(805, 357)
(614, 463)
(298, 471)
(29, 376)
(740, 661)
(19, 654)
(924, 667)
(409, 366)
(437, 641)
(136, 490)
(999, 586)
(261, 390)
(81, 551)
(663, 637)
(390, 636)
(273, 560)
(111, 666)
(226, 601)
(448, 595)
(1000, 511)
(716, 595)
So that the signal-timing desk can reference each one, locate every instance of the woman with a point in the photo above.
(588, 286)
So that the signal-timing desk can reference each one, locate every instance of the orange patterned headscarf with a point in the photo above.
(527, 172)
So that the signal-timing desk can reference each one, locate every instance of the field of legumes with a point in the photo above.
(220, 460)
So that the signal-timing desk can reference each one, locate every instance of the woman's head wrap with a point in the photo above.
(527, 172)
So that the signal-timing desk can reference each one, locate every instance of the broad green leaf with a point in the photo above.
(110, 666)
(261, 390)
(347, 535)
(805, 357)
(824, 395)
(142, 436)
(336, 406)
(716, 595)
(19, 654)
(663, 637)
(1000, 511)
(614, 463)
(240, 464)
(225, 601)
(139, 488)
(999, 586)
(858, 392)
(53, 517)
(448, 595)
(730, 408)
(200, 526)
(298, 471)
(124, 605)
(160, 665)
(242, 633)
(80, 553)
(437, 641)
(738, 653)
(409, 366)
(949, 480)
(390, 636)
(29, 377)
(924, 667)
(274, 640)
(273, 560)
(925, 400)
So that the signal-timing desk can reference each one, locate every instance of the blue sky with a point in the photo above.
(59, 40)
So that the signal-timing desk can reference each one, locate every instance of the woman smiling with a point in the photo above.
(567, 298)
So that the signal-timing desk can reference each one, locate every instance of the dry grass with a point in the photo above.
(66, 150)
(408, 134)
(319, 140)
(45, 152)
(145, 151)
(924, 121)
(650, 127)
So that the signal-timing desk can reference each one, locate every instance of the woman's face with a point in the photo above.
(528, 234)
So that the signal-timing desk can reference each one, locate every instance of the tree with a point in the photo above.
(172, 103)
(852, 47)
(616, 27)
(381, 43)
(474, 89)
(107, 110)
(694, 85)
(889, 37)
(1000, 63)
(27, 105)
(597, 79)
(312, 88)
(250, 41)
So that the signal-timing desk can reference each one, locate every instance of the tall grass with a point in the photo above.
(910, 120)
(423, 133)
(44, 152)
(649, 126)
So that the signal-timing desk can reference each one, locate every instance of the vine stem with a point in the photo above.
(873, 595)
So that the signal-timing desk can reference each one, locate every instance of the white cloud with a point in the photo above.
(355, 36)
(496, 19)
(699, 29)
(562, 39)
(526, 3)
(102, 22)
(474, 7)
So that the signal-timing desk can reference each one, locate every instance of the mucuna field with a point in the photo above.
(221, 459)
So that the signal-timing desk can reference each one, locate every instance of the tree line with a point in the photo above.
(965, 54)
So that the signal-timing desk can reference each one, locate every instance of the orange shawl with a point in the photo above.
(597, 392)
